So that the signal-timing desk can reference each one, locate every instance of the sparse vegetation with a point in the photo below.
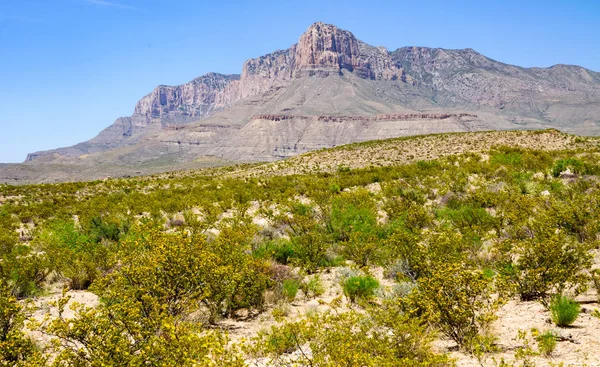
(423, 249)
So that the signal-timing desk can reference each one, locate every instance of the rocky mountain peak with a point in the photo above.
(322, 49)
(325, 47)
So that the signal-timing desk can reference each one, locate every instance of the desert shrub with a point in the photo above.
(405, 207)
(420, 254)
(507, 156)
(467, 217)
(103, 228)
(360, 287)
(75, 256)
(313, 287)
(577, 215)
(16, 349)
(371, 338)
(281, 251)
(575, 165)
(25, 271)
(8, 240)
(564, 310)
(546, 342)
(163, 273)
(459, 301)
(546, 263)
(596, 282)
(361, 248)
(308, 238)
(237, 280)
(281, 310)
(310, 251)
(353, 224)
(174, 274)
(290, 288)
(124, 334)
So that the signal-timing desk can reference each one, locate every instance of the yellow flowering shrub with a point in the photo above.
(459, 301)
(352, 338)
(16, 349)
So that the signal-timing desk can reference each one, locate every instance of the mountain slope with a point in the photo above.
(331, 89)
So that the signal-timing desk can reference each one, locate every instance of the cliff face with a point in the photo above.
(190, 101)
(261, 74)
(323, 49)
(326, 47)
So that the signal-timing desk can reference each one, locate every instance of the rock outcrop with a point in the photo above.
(321, 50)
(190, 101)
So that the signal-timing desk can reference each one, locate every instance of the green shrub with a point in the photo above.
(564, 310)
(278, 250)
(575, 165)
(290, 289)
(284, 252)
(308, 240)
(26, 273)
(360, 287)
(75, 256)
(507, 156)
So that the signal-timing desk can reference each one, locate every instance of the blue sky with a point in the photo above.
(69, 68)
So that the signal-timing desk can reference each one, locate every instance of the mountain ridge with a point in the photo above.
(330, 72)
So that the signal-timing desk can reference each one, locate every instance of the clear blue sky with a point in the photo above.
(69, 68)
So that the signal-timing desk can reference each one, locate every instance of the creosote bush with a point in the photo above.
(546, 341)
(459, 301)
(16, 348)
(546, 262)
(125, 334)
(352, 338)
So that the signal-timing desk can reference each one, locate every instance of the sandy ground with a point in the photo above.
(46, 307)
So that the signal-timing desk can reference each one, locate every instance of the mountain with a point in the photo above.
(331, 89)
